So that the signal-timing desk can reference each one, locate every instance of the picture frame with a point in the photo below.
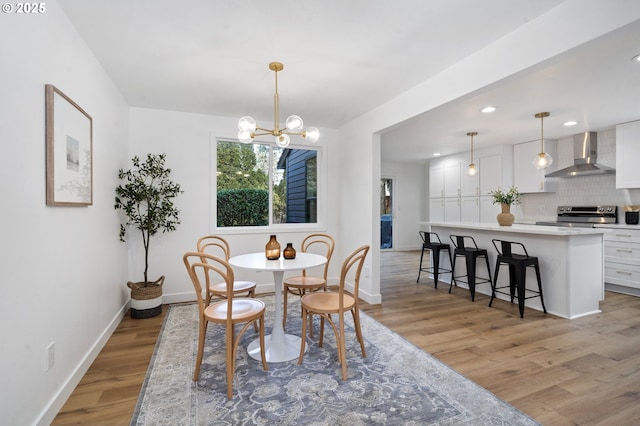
(69, 151)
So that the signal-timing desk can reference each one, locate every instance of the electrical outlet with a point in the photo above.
(50, 356)
(366, 272)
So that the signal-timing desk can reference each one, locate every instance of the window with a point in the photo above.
(260, 184)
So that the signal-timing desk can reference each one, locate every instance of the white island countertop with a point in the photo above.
(571, 262)
(521, 228)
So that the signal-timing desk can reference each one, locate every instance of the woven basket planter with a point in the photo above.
(146, 298)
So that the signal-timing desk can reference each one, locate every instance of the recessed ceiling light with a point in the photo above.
(636, 58)
(436, 154)
(488, 109)
(570, 123)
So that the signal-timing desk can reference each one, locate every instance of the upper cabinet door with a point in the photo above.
(470, 184)
(490, 172)
(436, 182)
(627, 155)
(526, 177)
(452, 180)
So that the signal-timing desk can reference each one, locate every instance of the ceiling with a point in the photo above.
(343, 59)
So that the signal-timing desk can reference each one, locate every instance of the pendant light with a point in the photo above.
(471, 169)
(542, 160)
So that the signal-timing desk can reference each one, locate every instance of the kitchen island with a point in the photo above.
(571, 262)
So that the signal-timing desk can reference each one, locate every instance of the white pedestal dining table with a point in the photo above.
(280, 346)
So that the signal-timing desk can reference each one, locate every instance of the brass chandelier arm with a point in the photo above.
(276, 132)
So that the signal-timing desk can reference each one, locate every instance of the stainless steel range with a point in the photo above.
(584, 216)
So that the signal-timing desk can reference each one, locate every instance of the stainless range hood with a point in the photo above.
(585, 154)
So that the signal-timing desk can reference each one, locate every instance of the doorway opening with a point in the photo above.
(386, 215)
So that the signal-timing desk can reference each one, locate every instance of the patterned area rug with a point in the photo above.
(396, 384)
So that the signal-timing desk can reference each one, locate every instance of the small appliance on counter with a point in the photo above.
(631, 214)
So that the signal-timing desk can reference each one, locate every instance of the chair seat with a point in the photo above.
(244, 309)
(238, 286)
(326, 302)
(305, 282)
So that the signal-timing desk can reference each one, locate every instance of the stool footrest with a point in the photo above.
(535, 292)
(479, 280)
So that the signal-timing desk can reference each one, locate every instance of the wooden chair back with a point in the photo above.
(355, 259)
(200, 267)
(215, 245)
(320, 244)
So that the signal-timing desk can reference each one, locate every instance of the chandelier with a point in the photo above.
(248, 130)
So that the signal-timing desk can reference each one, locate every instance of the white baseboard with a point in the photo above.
(50, 411)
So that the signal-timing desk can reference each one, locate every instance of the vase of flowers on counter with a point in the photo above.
(506, 199)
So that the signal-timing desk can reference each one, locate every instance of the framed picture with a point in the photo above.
(69, 151)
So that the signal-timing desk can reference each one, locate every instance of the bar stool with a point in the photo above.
(518, 262)
(466, 246)
(431, 241)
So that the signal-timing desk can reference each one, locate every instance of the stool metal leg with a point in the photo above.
(520, 284)
(453, 273)
(494, 283)
(471, 275)
(537, 267)
(435, 254)
(513, 280)
(420, 269)
(486, 259)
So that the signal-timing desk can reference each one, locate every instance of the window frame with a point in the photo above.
(321, 177)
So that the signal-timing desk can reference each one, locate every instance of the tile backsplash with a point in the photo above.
(582, 190)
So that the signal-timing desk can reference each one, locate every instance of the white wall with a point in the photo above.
(409, 191)
(63, 268)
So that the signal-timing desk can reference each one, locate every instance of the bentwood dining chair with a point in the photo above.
(326, 303)
(229, 312)
(299, 285)
(218, 246)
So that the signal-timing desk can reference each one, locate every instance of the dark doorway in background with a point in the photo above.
(386, 216)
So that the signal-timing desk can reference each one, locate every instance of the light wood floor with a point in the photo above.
(584, 371)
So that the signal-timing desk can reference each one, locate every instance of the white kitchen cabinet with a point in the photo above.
(444, 180)
(452, 210)
(488, 210)
(470, 184)
(490, 173)
(526, 177)
(627, 154)
(436, 210)
(470, 209)
(622, 260)
(452, 180)
(436, 182)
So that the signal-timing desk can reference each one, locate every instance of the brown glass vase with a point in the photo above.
(289, 252)
(272, 249)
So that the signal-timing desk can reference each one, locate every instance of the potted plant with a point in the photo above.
(146, 198)
(506, 199)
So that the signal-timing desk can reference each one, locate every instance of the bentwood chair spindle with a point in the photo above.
(218, 246)
(299, 285)
(327, 303)
(229, 312)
